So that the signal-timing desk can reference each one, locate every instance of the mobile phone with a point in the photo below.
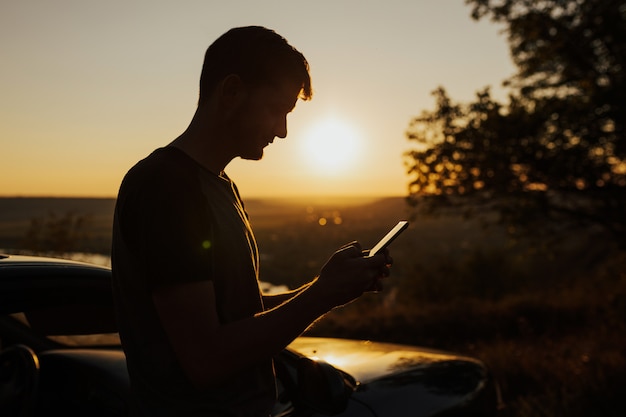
(389, 237)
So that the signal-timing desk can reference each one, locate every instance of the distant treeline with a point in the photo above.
(43, 224)
(37, 223)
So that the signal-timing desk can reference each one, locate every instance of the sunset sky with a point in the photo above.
(87, 88)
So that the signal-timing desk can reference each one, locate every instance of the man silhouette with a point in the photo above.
(198, 335)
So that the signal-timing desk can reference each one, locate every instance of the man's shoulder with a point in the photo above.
(166, 169)
(165, 163)
(166, 159)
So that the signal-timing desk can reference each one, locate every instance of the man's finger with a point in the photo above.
(351, 250)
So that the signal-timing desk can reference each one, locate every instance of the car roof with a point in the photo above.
(57, 295)
(9, 260)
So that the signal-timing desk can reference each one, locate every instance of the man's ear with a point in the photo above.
(232, 92)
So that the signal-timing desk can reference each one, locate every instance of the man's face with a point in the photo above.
(261, 117)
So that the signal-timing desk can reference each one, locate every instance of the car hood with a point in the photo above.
(398, 380)
(369, 361)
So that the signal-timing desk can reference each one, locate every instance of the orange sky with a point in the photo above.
(88, 88)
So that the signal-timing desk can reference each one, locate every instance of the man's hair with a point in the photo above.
(258, 56)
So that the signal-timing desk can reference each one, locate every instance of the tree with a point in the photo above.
(555, 154)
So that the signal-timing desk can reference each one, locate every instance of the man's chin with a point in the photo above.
(253, 157)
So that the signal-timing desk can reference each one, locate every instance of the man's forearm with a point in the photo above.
(271, 301)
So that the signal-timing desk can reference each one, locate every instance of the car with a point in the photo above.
(61, 355)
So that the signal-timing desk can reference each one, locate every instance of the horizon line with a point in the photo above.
(248, 197)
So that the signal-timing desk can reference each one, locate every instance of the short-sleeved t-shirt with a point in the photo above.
(177, 222)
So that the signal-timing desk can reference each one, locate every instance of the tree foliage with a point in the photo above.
(556, 150)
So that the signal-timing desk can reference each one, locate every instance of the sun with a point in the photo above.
(331, 146)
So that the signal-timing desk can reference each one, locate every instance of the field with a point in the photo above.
(549, 318)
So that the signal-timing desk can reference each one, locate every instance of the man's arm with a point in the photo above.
(274, 300)
(209, 351)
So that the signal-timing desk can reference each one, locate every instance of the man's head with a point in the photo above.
(258, 56)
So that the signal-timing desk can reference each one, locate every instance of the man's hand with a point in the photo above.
(348, 274)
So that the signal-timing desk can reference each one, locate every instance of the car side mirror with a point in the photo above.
(322, 387)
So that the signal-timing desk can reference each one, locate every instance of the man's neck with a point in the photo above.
(204, 144)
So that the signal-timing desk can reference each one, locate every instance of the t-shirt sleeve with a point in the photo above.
(165, 222)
